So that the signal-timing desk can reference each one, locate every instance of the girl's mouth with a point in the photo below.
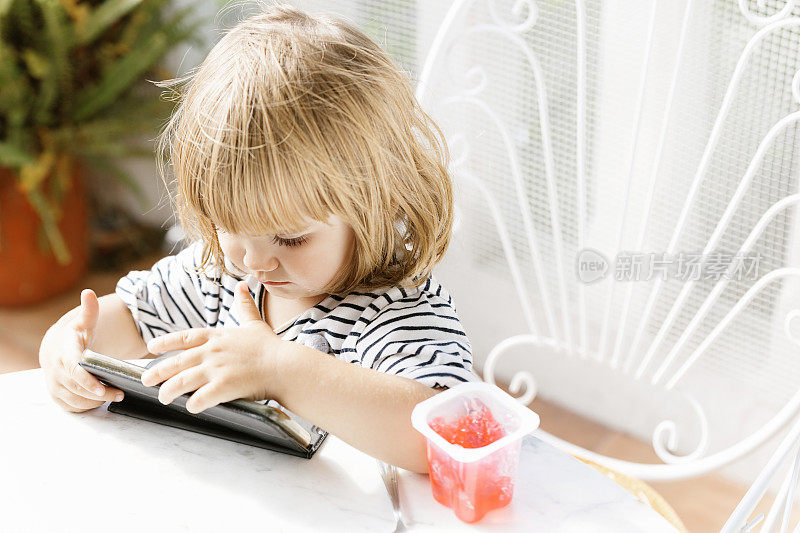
(275, 283)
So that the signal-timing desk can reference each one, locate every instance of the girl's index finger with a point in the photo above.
(178, 340)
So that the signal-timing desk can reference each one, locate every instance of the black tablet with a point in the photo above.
(267, 425)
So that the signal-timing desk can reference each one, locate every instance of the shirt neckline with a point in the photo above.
(289, 323)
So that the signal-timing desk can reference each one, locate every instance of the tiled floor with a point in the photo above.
(703, 503)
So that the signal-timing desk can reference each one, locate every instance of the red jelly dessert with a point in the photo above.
(476, 429)
(472, 489)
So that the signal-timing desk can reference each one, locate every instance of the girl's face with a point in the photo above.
(306, 260)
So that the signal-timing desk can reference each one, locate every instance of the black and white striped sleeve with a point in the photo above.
(166, 298)
(420, 339)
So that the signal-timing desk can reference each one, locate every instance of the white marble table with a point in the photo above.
(101, 471)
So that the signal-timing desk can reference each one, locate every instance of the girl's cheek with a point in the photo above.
(298, 267)
(234, 252)
(322, 267)
(234, 256)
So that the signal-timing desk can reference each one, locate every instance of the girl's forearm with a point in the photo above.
(369, 410)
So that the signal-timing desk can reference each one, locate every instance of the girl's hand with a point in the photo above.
(221, 364)
(69, 384)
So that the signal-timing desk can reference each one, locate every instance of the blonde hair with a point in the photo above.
(293, 117)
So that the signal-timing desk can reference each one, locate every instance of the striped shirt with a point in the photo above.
(414, 333)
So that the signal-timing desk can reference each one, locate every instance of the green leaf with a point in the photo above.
(133, 29)
(58, 81)
(4, 6)
(23, 18)
(153, 14)
(46, 214)
(172, 27)
(8, 63)
(16, 96)
(131, 117)
(14, 156)
(119, 77)
(104, 17)
(37, 64)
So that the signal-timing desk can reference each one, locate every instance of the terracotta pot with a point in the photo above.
(28, 274)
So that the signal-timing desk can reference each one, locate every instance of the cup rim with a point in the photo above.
(529, 420)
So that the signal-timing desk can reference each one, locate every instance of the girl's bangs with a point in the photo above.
(256, 199)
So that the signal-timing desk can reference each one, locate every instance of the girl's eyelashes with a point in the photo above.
(295, 241)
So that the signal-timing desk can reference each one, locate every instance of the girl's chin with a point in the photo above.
(289, 290)
(292, 291)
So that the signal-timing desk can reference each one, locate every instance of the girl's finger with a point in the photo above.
(182, 383)
(110, 394)
(170, 366)
(89, 313)
(207, 396)
(179, 340)
(68, 407)
(246, 305)
(78, 375)
(64, 405)
(78, 402)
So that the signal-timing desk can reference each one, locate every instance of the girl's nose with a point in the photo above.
(252, 262)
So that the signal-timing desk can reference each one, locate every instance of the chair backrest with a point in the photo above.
(629, 169)
(779, 514)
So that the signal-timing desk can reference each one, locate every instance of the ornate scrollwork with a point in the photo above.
(531, 15)
(665, 437)
(796, 86)
(522, 380)
(762, 20)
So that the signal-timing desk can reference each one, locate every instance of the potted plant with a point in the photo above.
(72, 95)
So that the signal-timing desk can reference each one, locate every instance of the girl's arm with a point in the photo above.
(369, 410)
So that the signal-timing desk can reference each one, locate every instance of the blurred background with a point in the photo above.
(81, 202)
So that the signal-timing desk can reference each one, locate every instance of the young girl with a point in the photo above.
(314, 192)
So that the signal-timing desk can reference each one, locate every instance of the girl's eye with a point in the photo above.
(295, 241)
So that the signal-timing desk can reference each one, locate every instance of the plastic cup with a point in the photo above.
(473, 481)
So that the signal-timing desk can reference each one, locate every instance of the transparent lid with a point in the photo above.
(516, 419)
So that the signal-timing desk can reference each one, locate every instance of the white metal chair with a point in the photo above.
(591, 138)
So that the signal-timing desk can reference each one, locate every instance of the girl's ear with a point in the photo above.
(401, 244)
(400, 224)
